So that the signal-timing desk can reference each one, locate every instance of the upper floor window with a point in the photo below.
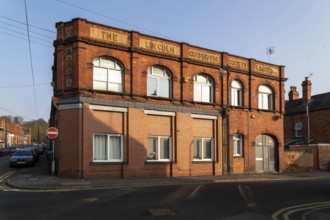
(203, 88)
(107, 75)
(159, 82)
(298, 128)
(265, 98)
(236, 93)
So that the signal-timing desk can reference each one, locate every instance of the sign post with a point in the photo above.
(52, 133)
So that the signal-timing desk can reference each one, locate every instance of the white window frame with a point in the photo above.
(238, 145)
(203, 158)
(158, 77)
(108, 84)
(202, 87)
(236, 93)
(121, 159)
(265, 98)
(149, 156)
(298, 128)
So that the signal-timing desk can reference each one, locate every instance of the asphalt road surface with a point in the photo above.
(308, 199)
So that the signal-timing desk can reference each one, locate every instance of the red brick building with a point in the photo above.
(12, 135)
(307, 119)
(132, 105)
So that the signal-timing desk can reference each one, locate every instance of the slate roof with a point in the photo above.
(317, 103)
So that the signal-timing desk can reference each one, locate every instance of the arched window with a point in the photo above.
(203, 88)
(265, 98)
(107, 75)
(236, 93)
(159, 82)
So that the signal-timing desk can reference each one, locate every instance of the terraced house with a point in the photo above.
(132, 105)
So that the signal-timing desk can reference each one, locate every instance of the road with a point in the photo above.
(309, 199)
(5, 171)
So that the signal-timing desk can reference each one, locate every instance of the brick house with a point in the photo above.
(307, 130)
(132, 105)
(307, 119)
(13, 135)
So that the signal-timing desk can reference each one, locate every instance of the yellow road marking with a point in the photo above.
(304, 216)
(289, 210)
(6, 175)
(286, 215)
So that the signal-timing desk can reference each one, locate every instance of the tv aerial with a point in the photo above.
(310, 75)
(270, 51)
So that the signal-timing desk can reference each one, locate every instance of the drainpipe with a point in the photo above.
(228, 128)
(308, 125)
(228, 146)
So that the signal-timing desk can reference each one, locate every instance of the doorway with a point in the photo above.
(266, 154)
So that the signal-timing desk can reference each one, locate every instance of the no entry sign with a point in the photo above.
(52, 133)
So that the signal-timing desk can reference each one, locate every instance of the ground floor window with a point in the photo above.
(203, 149)
(108, 148)
(159, 149)
(238, 145)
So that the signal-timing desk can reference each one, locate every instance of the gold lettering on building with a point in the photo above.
(266, 69)
(211, 58)
(238, 64)
(159, 46)
(109, 36)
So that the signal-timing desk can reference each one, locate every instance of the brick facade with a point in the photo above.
(315, 126)
(307, 158)
(319, 122)
(80, 112)
(12, 135)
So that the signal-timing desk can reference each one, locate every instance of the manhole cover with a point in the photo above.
(161, 212)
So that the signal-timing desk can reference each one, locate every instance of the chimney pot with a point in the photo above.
(293, 94)
(307, 90)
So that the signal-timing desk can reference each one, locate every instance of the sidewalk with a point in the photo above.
(38, 178)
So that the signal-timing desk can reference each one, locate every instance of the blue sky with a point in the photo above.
(299, 30)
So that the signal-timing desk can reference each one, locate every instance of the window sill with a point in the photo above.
(107, 91)
(237, 107)
(266, 110)
(157, 162)
(96, 163)
(159, 98)
(238, 156)
(202, 161)
(202, 103)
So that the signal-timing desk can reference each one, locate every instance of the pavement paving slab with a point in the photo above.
(39, 177)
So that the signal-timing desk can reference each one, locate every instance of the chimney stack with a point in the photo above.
(307, 90)
(293, 94)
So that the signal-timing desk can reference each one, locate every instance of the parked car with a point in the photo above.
(11, 150)
(3, 151)
(49, 154)
(22, 158)
(41, 149)
(35, 152)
